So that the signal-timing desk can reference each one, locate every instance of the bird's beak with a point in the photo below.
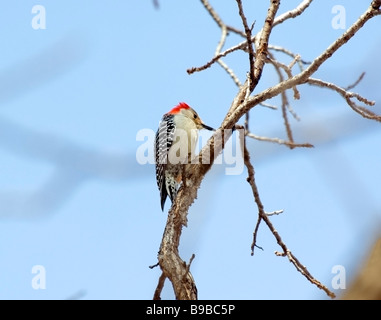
(207, 127)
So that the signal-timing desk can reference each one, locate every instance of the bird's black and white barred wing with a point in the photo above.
(163, 141)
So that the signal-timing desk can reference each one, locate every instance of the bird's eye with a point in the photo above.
(195, 116)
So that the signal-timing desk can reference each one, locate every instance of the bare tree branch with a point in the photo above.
(218, 20)
(249, 44)
(293, 13)
(347, 95)
(355, 83)
(217, 57)
(285, 102)
(303, 76)
(263, 42)
(280, 141)
(173, 267)
(274, 213)
(220, 62)
(300, 61)
(263, 216)
(159, 287)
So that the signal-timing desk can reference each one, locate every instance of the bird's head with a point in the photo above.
(186, 111)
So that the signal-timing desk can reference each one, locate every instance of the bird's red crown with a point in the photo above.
(178, 108)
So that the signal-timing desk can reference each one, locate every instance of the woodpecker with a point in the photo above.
(175, 145)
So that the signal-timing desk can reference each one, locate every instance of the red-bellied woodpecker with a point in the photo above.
(175, 145)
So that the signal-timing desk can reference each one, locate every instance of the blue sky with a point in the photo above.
(74, 200)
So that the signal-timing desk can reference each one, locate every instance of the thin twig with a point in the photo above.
(217, 57)
(218, 19)
(249, 44)
(341, 91)
(159, 287)
(255, 233)
(286, 122)
(300, 61)
(154, 266)
(274, 213)
(287, 52)
(267, 105)
(222, 41)
(262, 216)
(217, 54)
(229, 71)
(347, 95)
(247, 117)
(355, 83)
(292, 13)
(292, 63)
(280, 141)
(285, 103)
(278, 65)
(189, 264)
(212, 12)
